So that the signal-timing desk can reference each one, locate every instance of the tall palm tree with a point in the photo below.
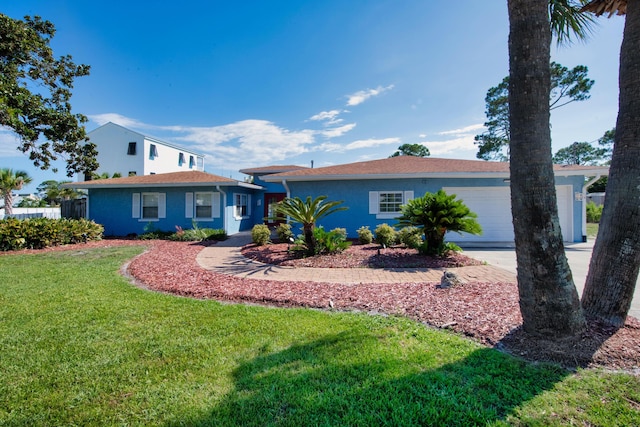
(549, 300)
(308, 212)
(9, 181)
(615, 262)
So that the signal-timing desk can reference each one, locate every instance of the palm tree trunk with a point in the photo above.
(548, 298)
(613, 271)
(8, 203)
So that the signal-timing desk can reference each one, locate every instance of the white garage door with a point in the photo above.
(493, 206)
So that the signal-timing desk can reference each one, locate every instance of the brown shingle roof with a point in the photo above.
(172, 179)
(411, 166)
(272, 169)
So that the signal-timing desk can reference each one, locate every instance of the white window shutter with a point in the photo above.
(162, 205)
(188, 205)
(374, 204)
(215, 205)
(135, 205)
(408, 195)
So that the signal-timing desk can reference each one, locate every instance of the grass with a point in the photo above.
(81, 346)
(592, 229)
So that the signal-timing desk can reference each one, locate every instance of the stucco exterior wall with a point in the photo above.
(355, 194)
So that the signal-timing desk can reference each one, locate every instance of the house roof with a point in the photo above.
(419, 167)
(272, 169)
(172, 179)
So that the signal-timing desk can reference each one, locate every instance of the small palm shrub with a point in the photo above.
(435, 214)
(411, 237)
(260, 234)
(330, 242)
(307, 212)
(365, 236)
(283, 231)
(197, 234)
(594, 212)
(386, 235)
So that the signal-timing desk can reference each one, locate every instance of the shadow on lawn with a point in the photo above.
(313, 385)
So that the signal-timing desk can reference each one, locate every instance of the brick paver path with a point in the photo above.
(226, 258)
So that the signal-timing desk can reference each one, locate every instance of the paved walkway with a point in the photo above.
(225, 258)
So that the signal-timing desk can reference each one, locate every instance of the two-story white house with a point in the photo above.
(131, 153)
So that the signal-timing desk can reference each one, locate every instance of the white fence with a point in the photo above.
(22, 213)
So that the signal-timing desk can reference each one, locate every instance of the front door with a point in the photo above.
(270, 200)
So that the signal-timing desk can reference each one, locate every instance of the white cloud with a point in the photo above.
(9, 143)
(361, 96)
(118, 119)
(330, 117)
(246, 141)
(357, 145)
(337, 131)
(464, 130)
(459, 147)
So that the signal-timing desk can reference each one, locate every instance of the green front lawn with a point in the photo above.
(79, 345)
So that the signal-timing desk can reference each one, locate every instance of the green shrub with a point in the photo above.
(260, 234)
(411, 237)
(340, 231)
(386, 235)
(217, 234)
(594, 212)
(283, 231)
(38, 233)
(330, 242)
(435, 214)
(365, 236)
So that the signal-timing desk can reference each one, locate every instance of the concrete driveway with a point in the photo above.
(578, 254)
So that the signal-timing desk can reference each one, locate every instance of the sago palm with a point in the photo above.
(308, 212)
(435, 214)
(11, 180)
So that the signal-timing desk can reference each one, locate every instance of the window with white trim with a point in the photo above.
(148, 206)
(390, 202)
(241, 205)
(386, 204)
(153, 151)
(204, 205)
(180, 159)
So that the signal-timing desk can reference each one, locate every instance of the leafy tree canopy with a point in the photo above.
(416, 150)
(35, 89)
(579, 153)
(566, 86)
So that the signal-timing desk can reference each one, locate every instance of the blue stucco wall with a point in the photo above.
(112, 208)
(355, 194)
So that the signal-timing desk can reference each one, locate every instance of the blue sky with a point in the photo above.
(259, 83)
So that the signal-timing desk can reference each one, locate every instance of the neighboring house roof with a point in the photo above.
(150, 138)
(272, 169)
(172, 179)
(420, 167)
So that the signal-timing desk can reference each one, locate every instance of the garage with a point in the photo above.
(493, 206)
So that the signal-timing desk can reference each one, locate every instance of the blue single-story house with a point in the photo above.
(373, 191)
(134, 204)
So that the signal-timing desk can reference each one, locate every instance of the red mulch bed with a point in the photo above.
(486, 312)
(356, 256)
